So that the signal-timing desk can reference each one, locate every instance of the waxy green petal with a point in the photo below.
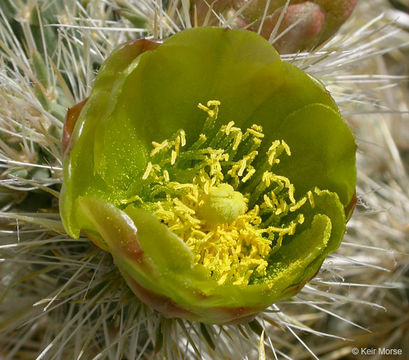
(323, 151)
(301, 256)
(81, 158)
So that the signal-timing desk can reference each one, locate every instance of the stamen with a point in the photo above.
(199, 142)
(215, 103)
(173, 157)
(182, 136)
(158, 147)
(311, 199)
(255, 133)
(166, 176)
(231, 233)
(177, 145)
(286, 147)
(147, 171)
(205, 108)
(298, 204)
(226, 129)
(249, 174)
(237, 140)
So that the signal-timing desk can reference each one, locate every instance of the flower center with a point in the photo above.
(221, 205)
(222, 198)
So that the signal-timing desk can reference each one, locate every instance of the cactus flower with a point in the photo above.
(218, 176)
(304, 24)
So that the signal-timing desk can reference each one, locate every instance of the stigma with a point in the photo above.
(221, 205)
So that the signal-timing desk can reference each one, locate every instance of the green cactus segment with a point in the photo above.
(143, 96)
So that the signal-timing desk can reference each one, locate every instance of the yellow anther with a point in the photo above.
(272, 151)
(249, 174)
(177, 145)
(213, 103)
(206, 109)
(298, 204)
(178, 186)
(283, 180)
(257, 127)
(254, 213)
(173, 157)
(222, 280)
(257, 141)
(291, 191)
(252, 155)
(182, 136)
(237, 139)
(283, 206)
(311, 199)
(211, 112)
(158, 147)
(192, 197)
(255, 133)
(243, 165)
(268, 201)
(286, 147)
(206, 187)
(266, 178)
(228, 128)
(147, 171)
(291, 228)
(273, 197)
(166, 176)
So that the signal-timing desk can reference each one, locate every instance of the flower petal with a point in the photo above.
(301, 255)
(81, 141)
(322, 151)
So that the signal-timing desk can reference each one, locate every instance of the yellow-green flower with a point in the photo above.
(216, 175)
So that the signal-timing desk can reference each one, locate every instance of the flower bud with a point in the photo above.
(299, 26)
